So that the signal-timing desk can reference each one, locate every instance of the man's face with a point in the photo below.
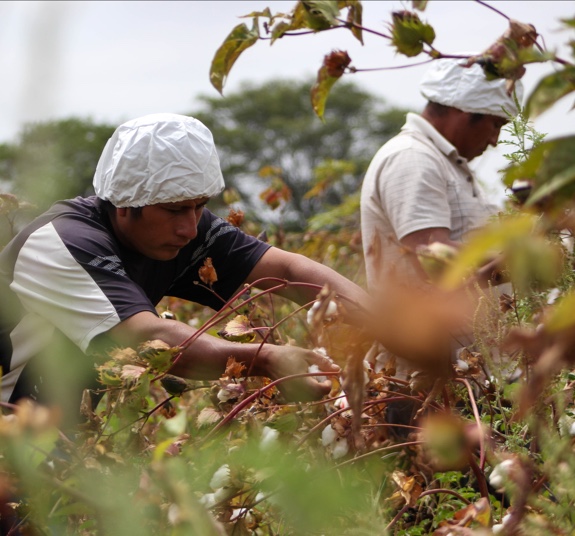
(479, 132)
(160, 231)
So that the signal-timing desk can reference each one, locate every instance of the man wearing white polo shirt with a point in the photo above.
(419, 188)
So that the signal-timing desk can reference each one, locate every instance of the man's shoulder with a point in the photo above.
(70, 222)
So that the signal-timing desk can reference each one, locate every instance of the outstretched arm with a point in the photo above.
(277, 263)
(207, 356)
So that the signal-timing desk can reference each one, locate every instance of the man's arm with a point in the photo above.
(207, 356)
(488, 274)
(277, 263)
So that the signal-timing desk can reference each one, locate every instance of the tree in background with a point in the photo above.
(53, 160)
(270, 144)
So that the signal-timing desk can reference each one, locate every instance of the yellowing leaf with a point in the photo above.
(320, 91)
(208, 416)
(486, 243)
(562, 316)
(239, 39)
(409, 488)
(238, 330)
(480, 512)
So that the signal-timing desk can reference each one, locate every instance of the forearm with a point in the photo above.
(306, 278)
(204, 359)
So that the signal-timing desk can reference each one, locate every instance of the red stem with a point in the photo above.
(241, 405)
(477, 419)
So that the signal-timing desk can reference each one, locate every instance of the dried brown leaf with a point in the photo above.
(208, 273)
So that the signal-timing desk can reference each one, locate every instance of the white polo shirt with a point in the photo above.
(416, 181)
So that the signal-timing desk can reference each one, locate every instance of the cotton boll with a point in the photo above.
(340, 449)
(241, 512)
(174, 514)
(221, 478)
(232, 391)
(223, 494)
(330, 311)
(462, 365)
(269, 438)
(314, 369)
(328, 435)
(341, 402)
(500, 473)
(208, 500)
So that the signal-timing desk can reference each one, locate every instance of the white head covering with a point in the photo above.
(449, 83)
(158, 158)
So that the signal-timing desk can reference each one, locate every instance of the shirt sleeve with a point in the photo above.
(413, 192)
(78, 285)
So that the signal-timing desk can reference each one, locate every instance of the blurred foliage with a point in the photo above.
(53, 160)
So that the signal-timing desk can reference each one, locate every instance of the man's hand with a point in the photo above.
(284, 361)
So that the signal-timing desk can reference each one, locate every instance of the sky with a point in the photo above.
(114, 60)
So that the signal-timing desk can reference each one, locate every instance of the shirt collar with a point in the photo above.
(417, 123)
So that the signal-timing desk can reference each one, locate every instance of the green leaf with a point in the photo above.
(550, 168)
(557, 183)
(549, 90)
(320, 91)
(486, 243)
(355, 18)
(409, 33)
(562, 315)
(239, 39)
(420, 5)
(321, 14)
(176, 426)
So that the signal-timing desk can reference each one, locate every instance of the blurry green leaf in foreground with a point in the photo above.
(494, 239)
(562, 316)
(549, 90)
(551, 169)
(239, 39)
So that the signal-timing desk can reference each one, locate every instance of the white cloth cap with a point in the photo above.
(158, 158)
(450, 83)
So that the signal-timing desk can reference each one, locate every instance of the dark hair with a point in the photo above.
(434, 109)
(110, 209)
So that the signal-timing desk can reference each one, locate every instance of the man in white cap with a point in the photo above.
(92, 270)
(419, 188)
